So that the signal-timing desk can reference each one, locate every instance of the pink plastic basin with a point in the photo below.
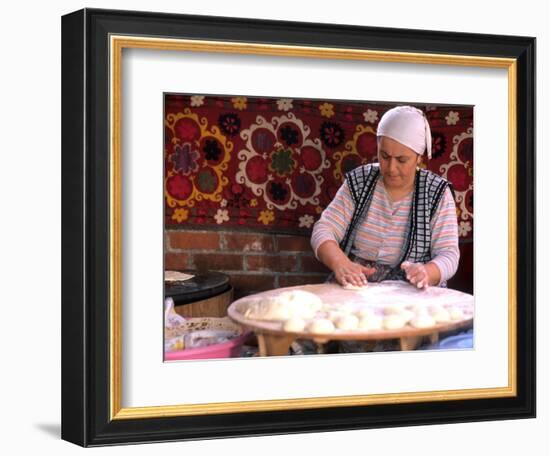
(229, 349)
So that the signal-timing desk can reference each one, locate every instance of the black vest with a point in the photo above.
(428, 191)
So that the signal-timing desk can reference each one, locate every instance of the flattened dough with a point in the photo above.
(349, 286)
(176, 276)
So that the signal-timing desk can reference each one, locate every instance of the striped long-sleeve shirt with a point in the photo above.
(382, 235)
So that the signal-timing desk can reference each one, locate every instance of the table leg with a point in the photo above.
(273, 345)
(410, 343)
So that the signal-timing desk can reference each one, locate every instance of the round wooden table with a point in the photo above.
(274, 340)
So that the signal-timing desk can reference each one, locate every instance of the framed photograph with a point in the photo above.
(209, 147)
(246, 185)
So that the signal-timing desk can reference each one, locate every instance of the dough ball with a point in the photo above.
(321, 326)
(393, 309)
(419, 309)
(396, 316)
(394, 321)
(407, 315)
(434, 308)
(301, 303)
(335, 315)
(370, 323)
(441, 315)
(366, 312)
(302, 297)
(295, 324)
(336, 312)
(423, 321)
(348, 322)
(456, 313)
(345, 308)
(268, 308)
(286, 305)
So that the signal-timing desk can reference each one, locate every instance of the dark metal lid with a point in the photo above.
(203, 285)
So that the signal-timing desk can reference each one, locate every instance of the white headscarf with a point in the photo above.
(408, 126)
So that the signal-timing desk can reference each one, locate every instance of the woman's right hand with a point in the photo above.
(346, 271)
(349, 273)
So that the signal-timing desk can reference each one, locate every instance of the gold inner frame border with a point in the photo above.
(116, 46)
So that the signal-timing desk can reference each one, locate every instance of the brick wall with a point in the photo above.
(258, 262)
(253, 261)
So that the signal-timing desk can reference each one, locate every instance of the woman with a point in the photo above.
(392, 220)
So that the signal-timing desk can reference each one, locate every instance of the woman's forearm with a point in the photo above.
(434, 274)
(330, 254)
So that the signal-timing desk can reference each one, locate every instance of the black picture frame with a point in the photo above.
(87, 407)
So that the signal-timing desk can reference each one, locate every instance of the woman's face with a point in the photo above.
(397, 163)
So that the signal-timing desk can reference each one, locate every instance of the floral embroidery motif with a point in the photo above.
(332, 134)
(180, 215)
(327, 110)
(277, 162)
(266, 217)
(221, 216)
(284, 104)
(212, 150)
(356, 152)
(452, 118)
(438, 144)
(305, 221)
(197, 100)
(185, 159)
(198, 157)
(370, 116)
(206, 181)
(230, 124)
(464, 228)
(277, 191)
(289, 135)
(457, 171)
(282, 162)
(239, 103)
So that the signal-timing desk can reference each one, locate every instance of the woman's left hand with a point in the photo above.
(416, 273)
